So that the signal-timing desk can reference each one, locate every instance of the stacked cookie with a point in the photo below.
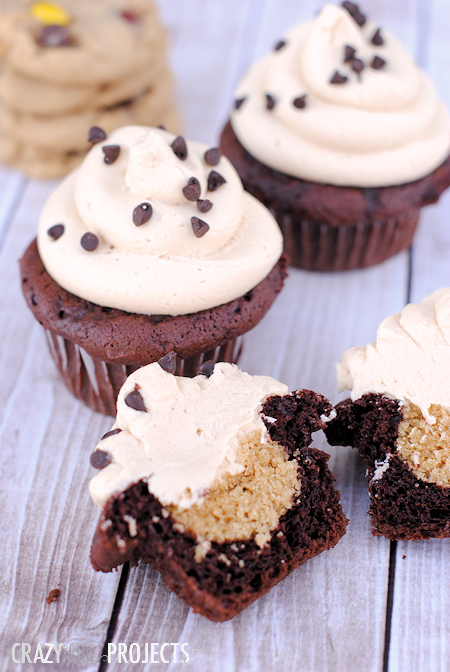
(68, 67)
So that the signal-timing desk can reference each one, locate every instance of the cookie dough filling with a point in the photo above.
(149, 210)
(339, 101)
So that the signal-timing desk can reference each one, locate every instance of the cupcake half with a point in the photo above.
(343, 137)
(212, 481)
(151, 246)
(398, 417)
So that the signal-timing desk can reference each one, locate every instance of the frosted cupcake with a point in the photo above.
(343, 137)
(151, 246)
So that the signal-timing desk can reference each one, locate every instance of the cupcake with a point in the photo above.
(150, 246)
(212, 481)
(66, 67)
(398, 417)
(343, 138)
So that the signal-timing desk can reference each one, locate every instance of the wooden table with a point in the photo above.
(368, 604)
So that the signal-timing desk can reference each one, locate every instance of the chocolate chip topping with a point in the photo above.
(168, 363)
(338, 79)
(377, 39)
(204, 206)
(238, 102)
(215, 180)
(113, 432)
(56, 231)
(349, 52)
(270, 101)
(212, 156)
(300, 102)
(179, 148)
(354, 12)
(89, 241)
(199, 226)
(357, 65)
(377, 63)
(96, 134)
(207, 368)
(100, 459)
(111, 153)
(142, 213)
(279, 45)
(134, 400)
(192, 190)
(55, 36)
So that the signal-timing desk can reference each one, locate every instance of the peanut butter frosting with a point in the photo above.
(410, 360)
(180, 434)
(151, 224)
(339, 101)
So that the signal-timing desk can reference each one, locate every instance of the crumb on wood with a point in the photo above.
(53, 595)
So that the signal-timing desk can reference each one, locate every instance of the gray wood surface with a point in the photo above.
(359, 607)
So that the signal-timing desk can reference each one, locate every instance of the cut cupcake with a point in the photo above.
(398, 418)
(150, 246)
(343, 138)
(212, 481)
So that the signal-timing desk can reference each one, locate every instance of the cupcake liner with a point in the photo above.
(97, 383)
(321, 247)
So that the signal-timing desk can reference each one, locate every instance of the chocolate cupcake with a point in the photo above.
(343, 138)
(398, 418)
(213, 482)
(151, 246)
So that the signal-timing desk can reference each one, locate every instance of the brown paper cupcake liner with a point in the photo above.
(321, 247)
(97, 383)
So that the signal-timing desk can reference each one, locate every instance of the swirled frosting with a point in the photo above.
(164, 261)
(187, 436)
(410, 360)
(380, 126)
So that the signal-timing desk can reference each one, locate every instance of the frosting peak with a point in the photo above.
(410, 359)
(174, 234)
(369, 118)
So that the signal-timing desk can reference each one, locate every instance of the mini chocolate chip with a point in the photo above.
(377, 63)
(56, 231)
(179, 148)
(204, 206)
(168, 363)
(338, 79)
(349, 52)
(377, 39)
(89, 241)
(55, 36)
(142, 213)
(300, 102)
(96, 134)
(354, 12)
(111, 153)
(199, 226)
(215, 180)
(100, 459)
(279, 45)
(134, 400)
(357, 65)
(162, 127)
(207, 368)
(192, 190)
(239, 101)
(212, 156)
(270, 101)
(113, 432)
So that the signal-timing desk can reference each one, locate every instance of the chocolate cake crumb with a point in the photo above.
(180, 148)
(53, 595)
(199, 227)
(56, 231)
(111, 153)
